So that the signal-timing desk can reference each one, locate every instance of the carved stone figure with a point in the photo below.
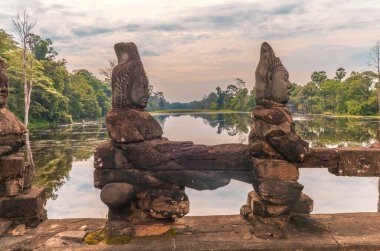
(128, 121)
(274, 145)
(11, 129)
(19, 201)
(142, 175)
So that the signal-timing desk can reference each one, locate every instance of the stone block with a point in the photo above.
(320, 157)
(289, 145)
(65, 239)
(275, 169)
(358, 162)
(11, 186)
(132, 125)
(103, 177)
(274, 115)
(12, 168)
(304, 205)
(11, 165)
(279, 192)
(165, 203)
(23, 205)
(116, 195)
(259, 207)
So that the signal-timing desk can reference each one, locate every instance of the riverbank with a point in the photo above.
(354, 231)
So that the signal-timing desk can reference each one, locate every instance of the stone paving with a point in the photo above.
(355, 231)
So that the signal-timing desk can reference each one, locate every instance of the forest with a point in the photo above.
(60, 96)
(355, 94)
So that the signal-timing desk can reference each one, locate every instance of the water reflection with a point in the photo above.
(55, 150)
(64, 164)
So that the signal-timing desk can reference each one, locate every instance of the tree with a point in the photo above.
(7, 44)
(23, 27)
(340, 74)
(374, 63)
(107, 71)
(318, 77)
(220, 98)
(41, 48)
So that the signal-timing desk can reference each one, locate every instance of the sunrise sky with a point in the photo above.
(190, 47)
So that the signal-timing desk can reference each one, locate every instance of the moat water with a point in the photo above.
(64, 164)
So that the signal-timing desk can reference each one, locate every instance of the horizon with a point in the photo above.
(189, 49)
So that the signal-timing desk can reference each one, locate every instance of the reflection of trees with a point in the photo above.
(319, 131)
(161, 119)
(322, 131)
(54, 151)
(232, 123)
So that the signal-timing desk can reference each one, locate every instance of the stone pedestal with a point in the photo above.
(275, 148)
(25, 208)
(20, 203)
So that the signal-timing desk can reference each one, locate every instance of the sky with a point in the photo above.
(188, 48)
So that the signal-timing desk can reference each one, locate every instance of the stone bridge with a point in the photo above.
(143, 176)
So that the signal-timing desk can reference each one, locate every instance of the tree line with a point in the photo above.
(355, 94)
(55, 94)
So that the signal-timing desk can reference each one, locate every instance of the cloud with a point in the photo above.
(207, 43)
(91, 31)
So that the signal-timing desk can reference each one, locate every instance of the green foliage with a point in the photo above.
(318, 77)
(356, 95)
(41, 48)
(58, 96)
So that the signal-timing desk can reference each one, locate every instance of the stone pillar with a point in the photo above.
(275, 148)
(20, 202)
(131, 193)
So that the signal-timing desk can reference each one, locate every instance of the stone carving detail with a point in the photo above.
(274, 146)
(20, 202)
(128, 122)
(142, 175)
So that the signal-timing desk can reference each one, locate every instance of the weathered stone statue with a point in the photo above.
(11, 129)
(142, 175)
(19, 201)
(128, 121)
(274, 146)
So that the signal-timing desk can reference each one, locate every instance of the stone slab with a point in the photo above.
(358, 162)
(23, 205)
(354, 231)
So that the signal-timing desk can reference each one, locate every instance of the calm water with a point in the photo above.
(64, 164)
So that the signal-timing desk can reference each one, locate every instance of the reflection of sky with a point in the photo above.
(331, 194)
(78, 198)
(186, 127)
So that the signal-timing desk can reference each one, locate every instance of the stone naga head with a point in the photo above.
(272, 78)
(3, 84)
(130, 85)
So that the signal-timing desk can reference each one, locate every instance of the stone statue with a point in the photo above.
(20, 202)
(274, 145)
(128, 121)
(142, 176)
(11, 129)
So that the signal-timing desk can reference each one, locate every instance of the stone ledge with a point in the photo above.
(355, 231)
